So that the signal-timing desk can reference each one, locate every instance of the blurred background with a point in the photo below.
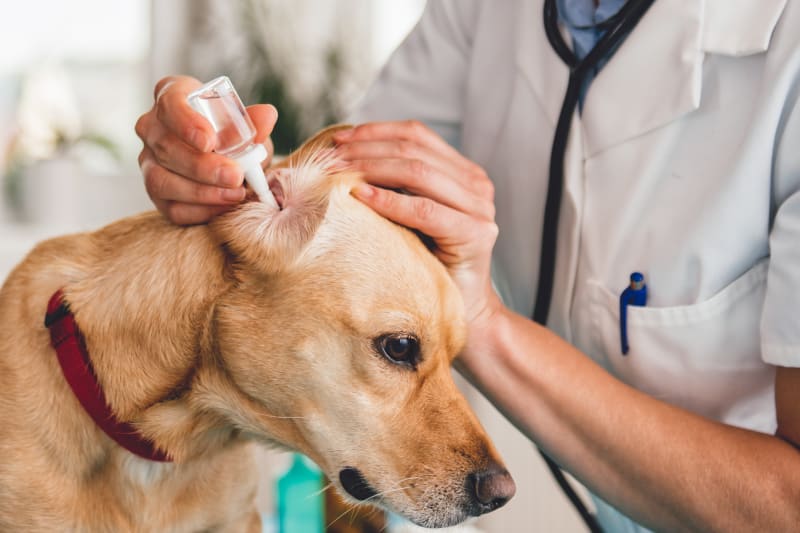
(75, 76)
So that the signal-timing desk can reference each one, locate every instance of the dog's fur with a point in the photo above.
(259, 327)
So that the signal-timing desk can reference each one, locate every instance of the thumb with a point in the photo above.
(264, 117)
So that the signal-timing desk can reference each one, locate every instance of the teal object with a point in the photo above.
(301, 506)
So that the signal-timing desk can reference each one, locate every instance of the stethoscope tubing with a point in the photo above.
(618, 27)
(627, 18)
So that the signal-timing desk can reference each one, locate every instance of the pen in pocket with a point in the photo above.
(634, 294)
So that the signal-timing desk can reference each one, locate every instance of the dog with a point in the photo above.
(320, 327)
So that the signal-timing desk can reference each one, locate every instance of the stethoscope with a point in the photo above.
(617, 28)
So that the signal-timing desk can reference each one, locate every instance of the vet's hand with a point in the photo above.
(451, 200)
(187, 181)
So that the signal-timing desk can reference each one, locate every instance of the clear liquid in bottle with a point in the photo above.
(219, 103)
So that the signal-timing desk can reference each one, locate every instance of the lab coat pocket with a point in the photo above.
(704, 357)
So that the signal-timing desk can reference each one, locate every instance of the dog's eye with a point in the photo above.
(400, 349)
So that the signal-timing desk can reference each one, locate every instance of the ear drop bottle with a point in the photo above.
(219, 103)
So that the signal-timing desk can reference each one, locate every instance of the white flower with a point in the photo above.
(48, 115)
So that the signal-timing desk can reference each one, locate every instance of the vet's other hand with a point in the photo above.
(451, 199)
(188, 182)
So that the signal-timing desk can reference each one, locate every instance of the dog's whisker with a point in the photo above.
(383, 493)
(323, 489)
(349, 509)
(354, 507)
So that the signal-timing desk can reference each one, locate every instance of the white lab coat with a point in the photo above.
(684, 165)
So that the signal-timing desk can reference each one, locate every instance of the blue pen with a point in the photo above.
(635, 294)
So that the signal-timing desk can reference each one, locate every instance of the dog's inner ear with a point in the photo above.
(276, 187)
(271, 239)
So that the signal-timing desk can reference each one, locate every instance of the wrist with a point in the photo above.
(485, 333)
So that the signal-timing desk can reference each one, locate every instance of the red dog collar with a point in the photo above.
(70, 347)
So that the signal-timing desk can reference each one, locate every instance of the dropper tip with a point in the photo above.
(269, 199)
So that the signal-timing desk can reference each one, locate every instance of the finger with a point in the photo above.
(416, 133)
(188, 214)
(452, 231)
(420, 178)
(163, 185)
(391, 150)
(407, 130)
(162, 84)
(444, 224)
(264, 117)
(175, 113)
(172, 153)
(448, 166)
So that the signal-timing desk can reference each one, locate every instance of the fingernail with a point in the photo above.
(233, 195)
(228, 176)
(363, 190)
(199, 140)
(343, 135)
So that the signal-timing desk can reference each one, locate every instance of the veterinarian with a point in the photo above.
(667, 379)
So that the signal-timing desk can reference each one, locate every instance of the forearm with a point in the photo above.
(663, 466)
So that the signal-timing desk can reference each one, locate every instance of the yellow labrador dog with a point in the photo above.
(139, 364)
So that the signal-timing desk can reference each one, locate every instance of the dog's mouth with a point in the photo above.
(356, 486)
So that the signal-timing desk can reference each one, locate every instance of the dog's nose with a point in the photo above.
(489, 489)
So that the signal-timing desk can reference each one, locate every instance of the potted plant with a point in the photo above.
(49, 151)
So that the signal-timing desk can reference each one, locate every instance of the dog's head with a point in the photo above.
(340, 331)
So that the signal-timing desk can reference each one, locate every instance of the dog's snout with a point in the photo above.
(489, 489)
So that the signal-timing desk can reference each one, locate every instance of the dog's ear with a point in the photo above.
(302, 184)
(322, 140)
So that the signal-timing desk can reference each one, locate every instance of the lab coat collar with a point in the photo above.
(740, 27)
(654, 78)
(656, 75)
(537, 62)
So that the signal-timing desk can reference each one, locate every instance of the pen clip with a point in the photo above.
(634, 294)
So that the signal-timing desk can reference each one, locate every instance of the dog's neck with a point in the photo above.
(146, 310)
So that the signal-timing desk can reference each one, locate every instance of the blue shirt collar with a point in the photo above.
(577, 14)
